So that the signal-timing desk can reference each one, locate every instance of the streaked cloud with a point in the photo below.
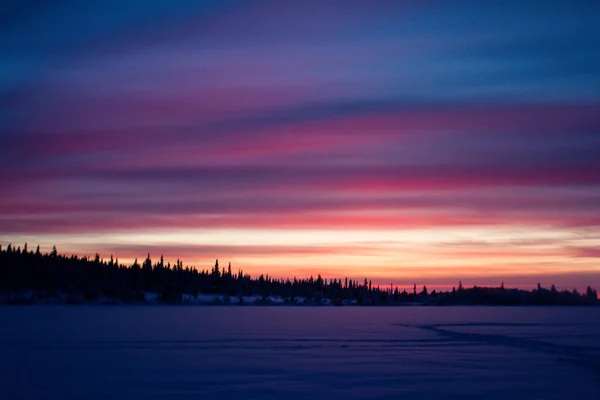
(135, 125)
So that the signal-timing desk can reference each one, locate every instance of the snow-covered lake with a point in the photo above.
(286, 353)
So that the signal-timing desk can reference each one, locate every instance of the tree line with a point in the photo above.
(28, 276)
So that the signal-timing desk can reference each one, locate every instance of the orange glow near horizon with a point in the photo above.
(436, 257)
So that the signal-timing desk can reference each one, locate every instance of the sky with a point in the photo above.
(415, 141)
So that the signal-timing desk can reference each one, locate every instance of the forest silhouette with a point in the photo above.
(28, 277)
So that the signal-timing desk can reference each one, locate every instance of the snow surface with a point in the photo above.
(217, 352)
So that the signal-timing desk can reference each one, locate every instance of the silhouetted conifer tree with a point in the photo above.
(83, 278)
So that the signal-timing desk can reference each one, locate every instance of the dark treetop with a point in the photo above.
(30, 276)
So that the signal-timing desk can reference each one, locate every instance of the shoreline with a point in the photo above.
(54, 302)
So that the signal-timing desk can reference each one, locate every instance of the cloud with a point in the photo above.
(350, 117)
(585, 252)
